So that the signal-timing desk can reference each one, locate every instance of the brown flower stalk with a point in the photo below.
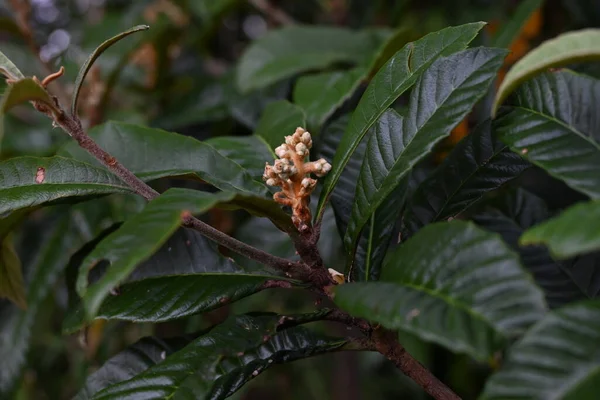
(292, 174)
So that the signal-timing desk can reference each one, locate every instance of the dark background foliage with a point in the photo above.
(179, 77)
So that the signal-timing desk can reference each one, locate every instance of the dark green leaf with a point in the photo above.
(573, 232)
(279, 119)
(558, 358)
(510, 30)
(320, 95)
(568, 48)
(30, 181)
(11, 276)
(51, 256)
(251, 152)
(442, 98)
(219, 362)
(517, 212)
(553, 124)
(8, 69)
(286, 346)
(452, 284)
(376, 236)
(154, 153)
(394, 78)
(134, 360)
(286, 52)
(477, 165)
(90, 61)
(187, 275)
(138, 238)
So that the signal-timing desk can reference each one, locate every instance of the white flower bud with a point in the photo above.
(271, 182)
(289, 140)
(281, 151)
(306, 138)
(299, 131)
(326, 167)
(306, 183)
(301, 149)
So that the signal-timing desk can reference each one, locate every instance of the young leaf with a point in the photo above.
(510, 217)
(219, 362)
(510, 30)
(279, 119)
(442, 97)
(286, 52)
(11, 276)
(321, 94)
(139, 238)
(8, 69)
(20, 92)
(568, 48)
(572, 233)
(479, 164)
(160, 154)
(90, 61)
(30, 181)
(556, 359)
(392, 80)
(453, 284)
(134, 360)
(552, 123)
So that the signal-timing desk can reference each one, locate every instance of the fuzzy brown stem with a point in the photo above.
(385, 342)
(73, 127)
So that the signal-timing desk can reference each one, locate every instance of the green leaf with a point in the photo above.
(377, 234)
(154, 153)
(285, 52)
(568, 234)
(139, 238)
(11, 276)
(286, 346)
(30, 181)
(565, 49)
(479, 164)
(134, 360)
(510, 30)
(558, 358)
(8, 69)
(279, 119)
(552, 123)
(219, 362)
(20, 92)
(51, 255)
(90, 61)
(321, 94)
(442, 98)
(452, 284)
(250, 152)
(394, 78)
(186, 276)
(510, 217)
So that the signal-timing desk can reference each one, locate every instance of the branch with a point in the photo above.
(274, 13)
(73, 127)
(386, 342)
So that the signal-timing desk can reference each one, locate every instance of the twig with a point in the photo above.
(274, 13)
(386, 342)
(73, 127)
(22, 10)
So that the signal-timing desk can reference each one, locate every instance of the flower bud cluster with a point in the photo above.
(292, 174)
